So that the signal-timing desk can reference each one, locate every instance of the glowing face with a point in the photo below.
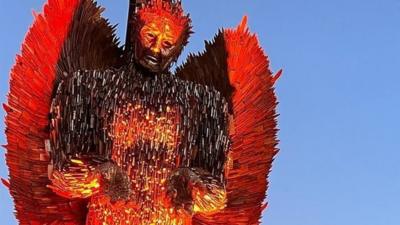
(159, 43)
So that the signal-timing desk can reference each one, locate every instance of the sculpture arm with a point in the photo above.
(199, 187)
(81, 164)
(208, 180)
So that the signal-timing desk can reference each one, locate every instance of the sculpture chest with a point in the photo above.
(152, 129)
(148, 126)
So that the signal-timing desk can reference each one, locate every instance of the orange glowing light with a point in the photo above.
(159, 34)
(161, 10)
(163, 20)
(103, 211)
(79, 182)
(135, 123)
(208, 203)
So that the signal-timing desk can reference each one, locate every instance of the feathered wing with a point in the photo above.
(69, 35)
(235, 65)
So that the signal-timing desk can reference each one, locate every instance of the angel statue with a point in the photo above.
(100, 133)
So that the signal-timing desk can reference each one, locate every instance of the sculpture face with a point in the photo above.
(161, 30)
(158, 43)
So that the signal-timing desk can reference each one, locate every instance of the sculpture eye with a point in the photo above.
(150, 36)
(167, 44)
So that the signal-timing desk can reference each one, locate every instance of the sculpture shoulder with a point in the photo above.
(90, 79)
(199, 92)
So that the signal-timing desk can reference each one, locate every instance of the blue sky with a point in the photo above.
(339, 100)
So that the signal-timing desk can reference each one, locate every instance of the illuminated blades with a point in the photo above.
(149, 126)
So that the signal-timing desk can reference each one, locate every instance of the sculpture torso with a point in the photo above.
(147, 125)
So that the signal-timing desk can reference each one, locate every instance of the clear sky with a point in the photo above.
(339, 100)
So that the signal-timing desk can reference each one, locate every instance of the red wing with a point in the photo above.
(91, 43)
(237, 66)
(57, 43)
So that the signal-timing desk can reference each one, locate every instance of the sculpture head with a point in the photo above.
(160, 30)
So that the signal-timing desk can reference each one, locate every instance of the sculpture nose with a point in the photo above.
(156, 48)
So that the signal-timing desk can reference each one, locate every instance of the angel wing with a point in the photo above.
(69, 35)
(235, 65)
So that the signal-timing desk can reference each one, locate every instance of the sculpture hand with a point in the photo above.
(115, 183)
(179, 191)
(193, 190)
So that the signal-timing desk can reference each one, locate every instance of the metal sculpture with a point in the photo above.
(100, 134)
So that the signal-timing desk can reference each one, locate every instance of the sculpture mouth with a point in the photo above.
(152, 60)
(152, 63)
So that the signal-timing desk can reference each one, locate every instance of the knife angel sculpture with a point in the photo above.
(103, 134)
